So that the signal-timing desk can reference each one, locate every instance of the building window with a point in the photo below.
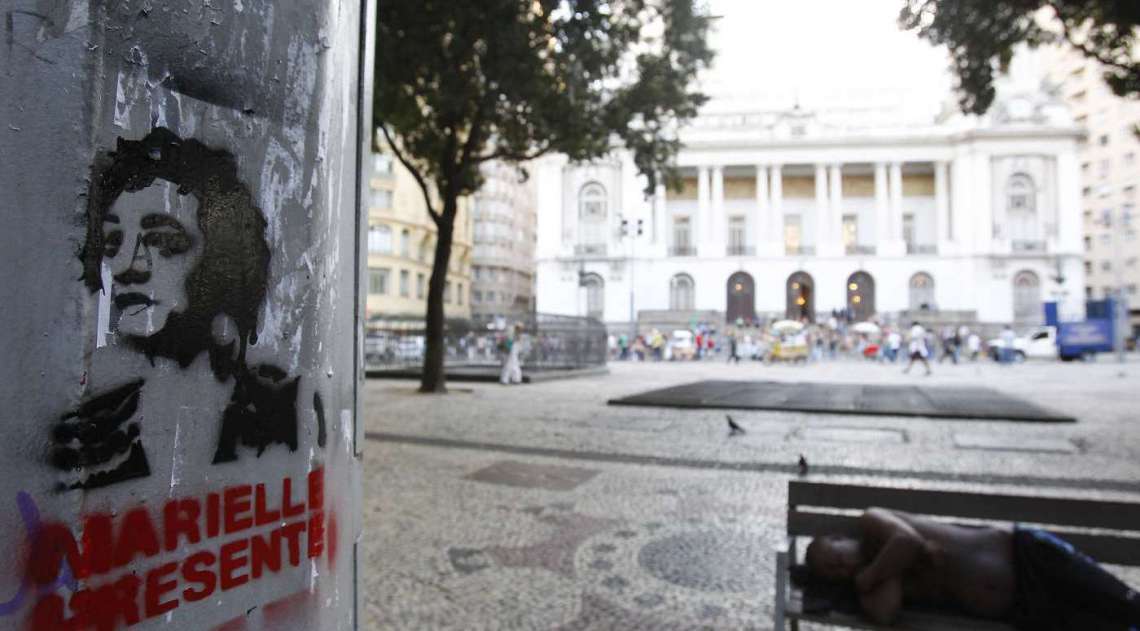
(1088, 292)
(459, 294)
(405, 243)
(378, 281)
(379, 239)
(793, 238)
(1021, 205)
(682, 237)
(1103, 140)
(1104, 166)
(1088, 267)
(908, 232)
(737, 236)
(447, 292)
(1106, 266)
(1088, 243)
(476, 296)
(850, 233)
(681, 292)
(381, 163)
(381, 199)
(405, 283)
(1020, 192)
(922, 292)
(595, 296)
(592, 213)
(420, 285)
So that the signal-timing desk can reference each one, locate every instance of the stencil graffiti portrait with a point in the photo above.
(177, 234)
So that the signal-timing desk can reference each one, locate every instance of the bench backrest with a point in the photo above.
(811, 507)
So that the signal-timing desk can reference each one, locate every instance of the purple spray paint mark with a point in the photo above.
(30, 513)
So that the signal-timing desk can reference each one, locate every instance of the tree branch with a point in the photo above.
(472, 135)
(509, 156)
(435, 217)
(1084, 48)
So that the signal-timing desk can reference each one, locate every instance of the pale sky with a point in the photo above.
(826, 52)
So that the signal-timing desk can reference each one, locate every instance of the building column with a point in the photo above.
(762, 228)
(718, 239)
(776, 204)
(882, 209)
(700, 222)
(821, 210)
(835, 212)
(659, 232)
(942, 206)
(895, 245)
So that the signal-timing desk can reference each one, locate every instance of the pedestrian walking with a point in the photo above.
(917, 348)
(733, 355)
(1008, 340)
(512, 369)
(974, 346)
(949, 346)
(894, 344)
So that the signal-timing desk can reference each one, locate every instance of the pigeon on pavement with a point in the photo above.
(803, 465)
(733, 428)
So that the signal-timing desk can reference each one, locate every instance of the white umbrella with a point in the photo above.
(866, 328)
(781, 326)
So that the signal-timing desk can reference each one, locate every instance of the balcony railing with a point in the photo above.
(854, 249)
(921, 248)
(1027, 245)
(800, 250)
(682, 250)
(741, 250)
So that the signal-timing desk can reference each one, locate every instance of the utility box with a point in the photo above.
(181, 320)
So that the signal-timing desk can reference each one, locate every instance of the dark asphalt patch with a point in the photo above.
(951, 402)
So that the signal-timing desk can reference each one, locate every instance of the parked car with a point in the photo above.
(681, 345)
(1039, 343)
(379, 347)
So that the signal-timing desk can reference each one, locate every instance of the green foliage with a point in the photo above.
(981, 35)
(461, 83)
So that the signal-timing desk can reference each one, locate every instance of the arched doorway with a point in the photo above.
(595, 296)
(741, 303)
(921, 292)
(801, 297)
(681, 292)
(1027, 298)
(860, 296)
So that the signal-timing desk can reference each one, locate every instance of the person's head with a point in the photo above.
(834, 557)
(176, 234)
(915, 323)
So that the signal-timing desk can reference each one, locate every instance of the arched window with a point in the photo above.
(380, 239)
(592, 214)
(1021, 211)
(595, 296)
(921, 292)
(681, 289)
(405, 243)
(1027, 297)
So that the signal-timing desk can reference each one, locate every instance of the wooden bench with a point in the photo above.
(817, 508)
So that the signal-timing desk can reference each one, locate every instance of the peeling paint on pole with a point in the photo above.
(179, 199)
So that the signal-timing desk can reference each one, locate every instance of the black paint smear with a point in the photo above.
(92, 435)
(261, 412)
(319, 408)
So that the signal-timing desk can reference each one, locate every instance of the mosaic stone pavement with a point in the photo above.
(539, 507)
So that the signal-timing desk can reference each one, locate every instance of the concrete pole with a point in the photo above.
(182, 192)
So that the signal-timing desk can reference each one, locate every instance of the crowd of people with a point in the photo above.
(832, 338)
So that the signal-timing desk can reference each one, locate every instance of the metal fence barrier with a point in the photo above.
(547, 342)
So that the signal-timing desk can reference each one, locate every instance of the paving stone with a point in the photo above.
(851, 434)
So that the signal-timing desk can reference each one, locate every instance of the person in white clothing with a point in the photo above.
(512, 370)
(917, 347)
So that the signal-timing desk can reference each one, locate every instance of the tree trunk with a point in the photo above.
(433, 378)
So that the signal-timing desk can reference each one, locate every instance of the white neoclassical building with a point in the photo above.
(797, 213)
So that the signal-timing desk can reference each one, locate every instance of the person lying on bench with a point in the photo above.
(1026, 577)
